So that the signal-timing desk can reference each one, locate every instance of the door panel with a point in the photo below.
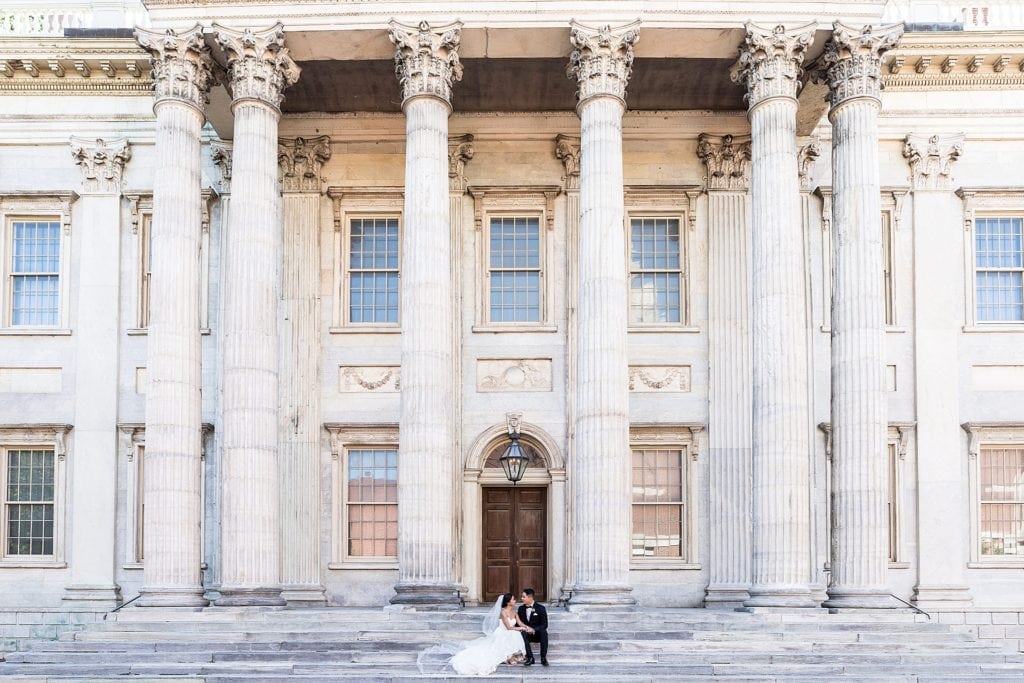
(515, 536)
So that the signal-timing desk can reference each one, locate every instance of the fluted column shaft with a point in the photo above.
(172, 542)
(250, 547)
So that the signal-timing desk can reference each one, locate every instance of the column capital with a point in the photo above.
(460, 151)
(427, 58)
(602, 59)
(567, 150)
(770, 62)
(852, 62)
(300, 161)
(102, 163)
(727, 160)
(259, 65)
(182, 65)
(805, 158)
(931, 160)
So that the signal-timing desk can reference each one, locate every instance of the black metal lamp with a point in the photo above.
(514, 461)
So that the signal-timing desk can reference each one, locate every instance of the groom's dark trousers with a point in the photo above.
(538, 621)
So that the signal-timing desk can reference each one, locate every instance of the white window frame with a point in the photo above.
(353, 203)
(685, 438)
(678, 202)
(53, 206)
(38, 436)
(343, 438)
(528, 201)
(981, 435)
(984, 202)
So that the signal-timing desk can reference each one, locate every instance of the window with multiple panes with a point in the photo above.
(999, 268)
(1001, 523)
(29, 500)
(892, 502)
(887, 269)
(145, 268)
(140, 502)
(659, 503)
(371, 502)
(373, 270)
(655, 271)
(514, 269)
(35, 272)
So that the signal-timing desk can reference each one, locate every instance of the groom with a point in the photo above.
(535, 617)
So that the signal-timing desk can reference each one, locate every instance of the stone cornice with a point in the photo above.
(259, 65)
(770, 62)
(961, 61)
(460, 151)
(182, 66)
(601, 61)
(102, 163)
(931, 160)
(727, 161)
(300, 161)
(852, 62)
(73, 67)
(426, 58)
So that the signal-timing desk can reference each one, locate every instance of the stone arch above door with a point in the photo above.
(531, 435)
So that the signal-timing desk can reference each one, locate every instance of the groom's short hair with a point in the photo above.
(529, 591)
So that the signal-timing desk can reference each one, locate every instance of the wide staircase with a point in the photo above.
(375, 645)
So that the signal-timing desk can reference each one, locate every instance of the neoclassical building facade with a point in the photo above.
(280, 280)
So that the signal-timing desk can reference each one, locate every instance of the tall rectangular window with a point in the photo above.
(140, 503)
(372, 502)
(145, 269)
(659, 503)
(1002, 501)
(514, 269)
(892, 502)
(29, 502)
(35, 272)
(999, 269)
(655, 271)
(373, 270)
(887, 269)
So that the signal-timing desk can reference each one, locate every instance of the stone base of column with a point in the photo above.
(780, 596)
(726, 596)
(304, 595)
(428, 596)
(250, 597)
(602, 596)
(172, 597)
(97, 597)
(928, 597)
(860, 598)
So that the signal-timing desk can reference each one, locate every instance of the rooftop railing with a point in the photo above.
(52, 19)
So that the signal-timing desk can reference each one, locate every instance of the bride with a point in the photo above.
(502, 640)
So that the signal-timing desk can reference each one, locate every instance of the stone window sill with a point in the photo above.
(522, 329)
(899, 565)
(360, 564)
(11, 563)
(994, 327)
(36, 331)
(369, 329)
(133, 565)
(684, 329)
(997, 564)
(144, 331)
(889, 329)
(646, 565)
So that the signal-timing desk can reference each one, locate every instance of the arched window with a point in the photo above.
(531, 451)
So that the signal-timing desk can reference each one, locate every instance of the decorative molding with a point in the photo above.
(511, 197)
(181, 63)
(988, 199)
(222, 153)
(727, 161)
(567, 150)
(686, 434)
(898, 195)
(851, 65)
(525, 374)
(381, 379)
(770, 62)
(900, 432)
(63, 66)
(43, 433)
(661, 197)
(805, 158)
(427, 58)
(460, 151)
(365, 197)
(38, 202)
(1005, 432)
(971, 61)
(931, 160)
(370, 434)
(825, 193)
(102, 163)
(259, 65)
(138, 204)
(300, 161)
(514, 422)
(601, 61)
(205, 211)
(659, 378)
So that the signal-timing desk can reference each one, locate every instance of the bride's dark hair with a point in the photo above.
(505, 600)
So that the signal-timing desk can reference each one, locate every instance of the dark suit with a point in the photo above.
(538, 621)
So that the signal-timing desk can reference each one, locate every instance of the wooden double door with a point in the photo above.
(515, 539)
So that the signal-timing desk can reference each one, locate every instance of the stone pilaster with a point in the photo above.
(601, 63)
(938, 282)
(860, 530)
(182, 77)
(770, 67)
(93, 512)
(300, 161)
(426, 63)
(727, 161)
(259, 70)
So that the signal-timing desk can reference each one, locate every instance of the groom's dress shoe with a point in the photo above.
(543, 662)
(529, 662)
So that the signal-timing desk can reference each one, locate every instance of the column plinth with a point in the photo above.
(601, 62)
(860, 528)
(770, 66)
(182, 75)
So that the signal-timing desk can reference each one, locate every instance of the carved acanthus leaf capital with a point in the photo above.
(852, 62)
(727, 160)
(931, 160)
(805, 159)
(601, 61)
(259, 65)
(102, 162)
(460, 151)
(221, 153)
(182, 65)
(300, 161)
(770, 62)
(567, 150)
(427, 58)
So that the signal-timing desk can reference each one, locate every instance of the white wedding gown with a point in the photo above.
(483, 655)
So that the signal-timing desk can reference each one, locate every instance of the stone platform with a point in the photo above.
(375, 645)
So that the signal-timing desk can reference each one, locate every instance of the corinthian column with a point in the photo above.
(259, 69)
(601, 62)
(426, 63)
(770, 67)
(860, 529)
(182, 77)
(727, 160)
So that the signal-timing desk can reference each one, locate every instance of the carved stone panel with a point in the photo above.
(370, 378)
(659, 378)
(513, 374)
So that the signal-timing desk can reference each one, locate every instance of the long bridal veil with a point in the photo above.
(437, 659)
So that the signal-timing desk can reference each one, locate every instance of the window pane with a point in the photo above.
(1002, 501)
(373, 502)
(657, 531)
(514, 263)
(373, 270)
(29, 502)
(36, 247)
(659, 502)
(655, 282)
(1000, 296)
